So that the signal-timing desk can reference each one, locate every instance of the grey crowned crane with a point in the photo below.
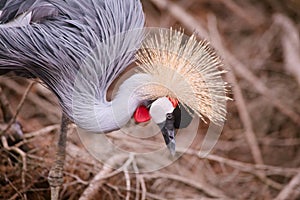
(77, 48)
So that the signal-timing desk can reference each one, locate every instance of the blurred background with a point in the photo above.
(258, 154)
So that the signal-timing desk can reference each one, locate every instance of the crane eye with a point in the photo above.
(169, 116)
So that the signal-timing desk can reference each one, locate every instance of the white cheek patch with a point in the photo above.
(160, 108)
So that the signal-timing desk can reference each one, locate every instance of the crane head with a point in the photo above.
(185, 75)
(168, 114)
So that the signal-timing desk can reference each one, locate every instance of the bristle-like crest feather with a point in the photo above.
(186, 69)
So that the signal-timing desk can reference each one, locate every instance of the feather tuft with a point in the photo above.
(186, 69)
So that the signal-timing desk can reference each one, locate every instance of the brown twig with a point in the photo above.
(290, 43)
(42, 131)
(109, 193)
(240, 102)
(181, 15)
(77, 153)
(280, 142)
(241, 105)
(143, 186)
(24, 162)
(292, 190)
(242, 13)
(29, 137)
(5, 106)
(137, 185)
(128, 183)
(149, 195)
(115, 188)
(18, 193)
(77, 178)
(51, 110)
(105, 173)
(247, 167)
(208, 189)
(244, 72)
(13, 119)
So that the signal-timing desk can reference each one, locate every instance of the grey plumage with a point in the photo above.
(61, 34)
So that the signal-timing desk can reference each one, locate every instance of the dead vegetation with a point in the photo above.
(257, 156)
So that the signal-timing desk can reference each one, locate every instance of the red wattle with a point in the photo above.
(141, 114)
(174, 102)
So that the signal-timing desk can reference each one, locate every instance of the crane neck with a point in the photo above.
(128, 98)
(108, 116)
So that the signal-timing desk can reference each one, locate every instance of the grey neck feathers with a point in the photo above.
(108, 116)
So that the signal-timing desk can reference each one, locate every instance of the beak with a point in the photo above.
(168, 131)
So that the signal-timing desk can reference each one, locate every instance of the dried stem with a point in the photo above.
(24, 162)
(292, 190)
(105, 173)
(13, 119)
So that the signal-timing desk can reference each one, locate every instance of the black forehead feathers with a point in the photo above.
(182, 117)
